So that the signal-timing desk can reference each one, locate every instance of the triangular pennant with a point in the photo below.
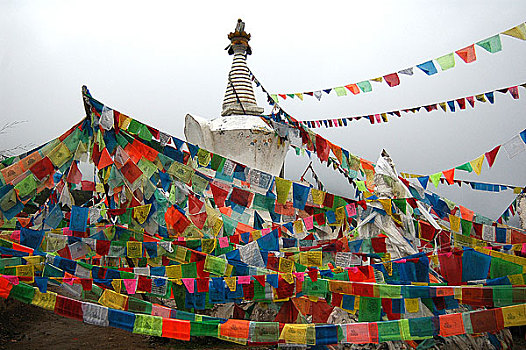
(401, 204)
(435, 178)
(518, 32)
(490, 96)
(476, 164)
(407, 71)
(480, 98)
(461, 103)
(466, 167)
(258, 221)
(447, 61)
(193, 149)
(423, 181)
(365, 86)
(340, 91)
(449, 175)
(392, 79)
(492, 44)
(387, 205)
(491, 155)
(514, 91)
(467, 54)
(428, 68)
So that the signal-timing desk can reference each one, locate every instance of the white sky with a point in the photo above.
(157, 61)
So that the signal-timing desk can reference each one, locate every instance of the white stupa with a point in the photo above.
(239, 134)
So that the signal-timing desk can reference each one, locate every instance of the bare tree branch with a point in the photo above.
(9, 152)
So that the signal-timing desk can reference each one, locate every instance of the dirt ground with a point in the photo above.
(29, 327)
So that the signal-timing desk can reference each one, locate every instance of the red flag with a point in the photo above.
(74, 175)
(392, 79)
(491, 155)
(514, 91)
(219, 194)
(194, 204)
(322, 148)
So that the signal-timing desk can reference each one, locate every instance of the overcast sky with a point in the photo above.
(157, 61)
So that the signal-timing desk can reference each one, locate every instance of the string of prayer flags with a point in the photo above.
(492, 44)
(514, 146)
(450, 105)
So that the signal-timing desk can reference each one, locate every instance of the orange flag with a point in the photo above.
(449, 175)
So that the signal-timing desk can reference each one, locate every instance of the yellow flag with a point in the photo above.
(229, 269)
(455, 223)
(518, 32)
(99, 187)
(298, 226)
(59, 155)
(386, 203)
(231, 283)
(295, 333)
(285, 265)
(180, 254)
(203, 157)
(117, 285)
(340, 215)
(514, 315)
(218, 225)
(174, 271)
(378, 80)
(25, 271)
(476, 164)
(458, 294)
(314, 258)
(208, 245)
(282, 189)
(317, 196)
(134, 249)
(300, 95)
(140, 213)
(44, 300)
(256, 234)
(412, 305)
(516, 279)
(124, 122)
(113, 299)
(288, 277)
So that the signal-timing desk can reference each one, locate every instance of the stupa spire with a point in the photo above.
(239, 96)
